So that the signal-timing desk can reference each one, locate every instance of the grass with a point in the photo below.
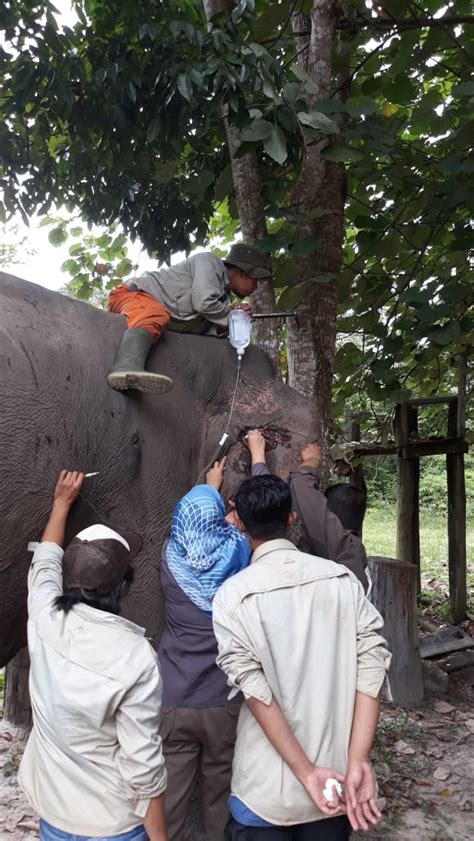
(380, 539)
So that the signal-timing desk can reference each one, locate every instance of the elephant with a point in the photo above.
(58, 412)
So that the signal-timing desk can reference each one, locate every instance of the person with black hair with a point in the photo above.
(297, 636)
(326, 519)
(93, 765)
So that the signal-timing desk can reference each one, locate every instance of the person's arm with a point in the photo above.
(45, 580)
(256, 445)
(373, 661)
(68, 488)
(327, 536)
(360, 788)
(240, 662)
(313, 777)
(208, 294)
(140, 758)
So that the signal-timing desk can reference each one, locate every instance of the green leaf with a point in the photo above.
(153, 130)
(342, 154)
(185, 86)
(318, 121)
(305, 247)
(57, 236)
(464, 89)
(275, 146)
(291, 297)
(257, 130)
(100, 75)
(446, 334)
(70, 266)
(224, 184)
(359, 106)
(166, 171)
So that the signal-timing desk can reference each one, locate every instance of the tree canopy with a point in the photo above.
(123, 116)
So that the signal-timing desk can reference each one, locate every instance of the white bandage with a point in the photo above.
(328, 793)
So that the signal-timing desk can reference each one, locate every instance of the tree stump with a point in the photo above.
(394, 595)
(16, 703)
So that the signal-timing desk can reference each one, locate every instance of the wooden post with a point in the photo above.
(16, 701)
(408, 512)
(394, 595)
(456, 519)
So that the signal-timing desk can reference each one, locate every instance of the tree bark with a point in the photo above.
(248, 195)
(16, 702)
(311, 348)
(394, 595)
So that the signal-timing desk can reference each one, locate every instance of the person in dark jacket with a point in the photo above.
(198, 724)
(323, 533)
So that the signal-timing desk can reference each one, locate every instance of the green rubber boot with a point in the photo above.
(129, 366)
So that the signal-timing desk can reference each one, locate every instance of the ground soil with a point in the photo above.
(424, 760)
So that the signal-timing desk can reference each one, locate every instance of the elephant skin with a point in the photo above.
(56, 411)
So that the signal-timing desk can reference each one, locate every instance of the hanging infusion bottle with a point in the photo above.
(240, 325)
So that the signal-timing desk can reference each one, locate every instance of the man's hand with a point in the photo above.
(248, 309)
(256, 445)
(68, 488)
(311, 455)
(314, 783)
(360, 795)
(215, 476)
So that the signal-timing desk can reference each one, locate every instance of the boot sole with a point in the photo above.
(140, 381)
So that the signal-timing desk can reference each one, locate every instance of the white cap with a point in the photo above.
(100, 532)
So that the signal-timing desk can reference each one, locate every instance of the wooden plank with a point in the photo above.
(433, 447)
(456, 525)
(462, 387)
(414, 449)
(445, 641)
(431, 401)
(394, 595)
(408, 515)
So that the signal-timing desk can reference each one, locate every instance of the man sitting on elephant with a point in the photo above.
(190, 297)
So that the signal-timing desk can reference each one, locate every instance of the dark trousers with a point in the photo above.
(329, 829)
(198, 743)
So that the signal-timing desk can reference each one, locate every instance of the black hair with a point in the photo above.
(109, 602)
(263, 503)
(349, 504)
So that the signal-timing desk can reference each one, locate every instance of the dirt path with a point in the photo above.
(424, 761)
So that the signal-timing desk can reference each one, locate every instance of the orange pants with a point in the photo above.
(140, 309)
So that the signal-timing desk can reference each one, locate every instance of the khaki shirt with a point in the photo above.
(196, 286)
(299, 629)
(94, 757)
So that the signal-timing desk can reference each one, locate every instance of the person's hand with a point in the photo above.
(231, 515)
(256, 445)
(215, 476)
(68, 488)
(311, 455)
(314, 784)
(243, 306)
(360, 795)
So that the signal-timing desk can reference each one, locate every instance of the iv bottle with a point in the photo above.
(239, 330)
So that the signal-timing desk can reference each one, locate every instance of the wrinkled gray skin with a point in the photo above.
(56, 412)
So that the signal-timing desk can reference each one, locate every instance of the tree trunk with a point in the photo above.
(16, 703)
(248, 195)
(394, 595)
(311, 348)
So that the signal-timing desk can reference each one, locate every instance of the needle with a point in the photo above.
(88, 475)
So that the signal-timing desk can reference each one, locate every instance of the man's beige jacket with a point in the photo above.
(299, 629)
(94, 757)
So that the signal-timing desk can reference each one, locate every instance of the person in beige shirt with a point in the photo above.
(93, 765)
(297, 636)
